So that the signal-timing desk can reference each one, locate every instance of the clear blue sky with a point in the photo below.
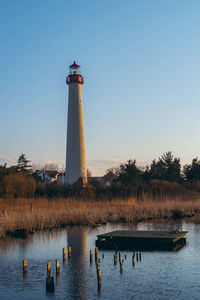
(141, 65)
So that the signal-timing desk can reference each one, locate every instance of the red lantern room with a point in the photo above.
(74, 74)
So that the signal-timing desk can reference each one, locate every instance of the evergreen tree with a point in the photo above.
(23, 164)
(167, 168)
(192, 171)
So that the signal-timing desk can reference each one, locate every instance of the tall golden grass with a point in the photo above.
(40, 214)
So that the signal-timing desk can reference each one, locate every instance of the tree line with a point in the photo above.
(164, 177)
(167, 168)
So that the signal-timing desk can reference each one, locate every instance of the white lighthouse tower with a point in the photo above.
(75, 156)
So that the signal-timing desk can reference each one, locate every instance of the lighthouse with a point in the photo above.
(75, 155)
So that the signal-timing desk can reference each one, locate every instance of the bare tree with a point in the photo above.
(51, 167)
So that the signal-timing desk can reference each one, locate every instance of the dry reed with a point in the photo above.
(40, 214)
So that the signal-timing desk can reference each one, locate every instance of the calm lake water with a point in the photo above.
(160, 274)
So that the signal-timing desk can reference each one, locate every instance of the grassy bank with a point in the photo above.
(40, 214)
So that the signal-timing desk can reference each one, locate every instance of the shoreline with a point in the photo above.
(21, 217)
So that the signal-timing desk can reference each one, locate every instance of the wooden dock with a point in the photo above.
(141, 240)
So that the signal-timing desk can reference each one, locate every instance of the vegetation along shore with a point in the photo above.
(126, 193)
(19, 217)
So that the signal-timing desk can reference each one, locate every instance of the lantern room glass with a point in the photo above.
(74, 71)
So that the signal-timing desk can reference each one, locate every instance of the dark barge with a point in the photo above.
(141, 240)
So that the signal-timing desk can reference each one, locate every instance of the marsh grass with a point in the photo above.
(41, 214)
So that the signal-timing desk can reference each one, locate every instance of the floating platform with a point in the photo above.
(141, 240)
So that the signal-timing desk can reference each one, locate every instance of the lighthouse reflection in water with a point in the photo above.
(77, 239)
(159, 274)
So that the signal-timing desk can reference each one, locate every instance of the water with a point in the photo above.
(160, 275)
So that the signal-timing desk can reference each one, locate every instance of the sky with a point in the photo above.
(141, 64)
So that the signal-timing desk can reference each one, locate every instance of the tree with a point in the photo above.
(19, 185)
(51, 167)
(112, 174)
(192, 171)
(23, 164)
(3, 173)
(173, 167)
(127, 174)
(167, 168)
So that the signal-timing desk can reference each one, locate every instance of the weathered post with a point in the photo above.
(98, 266)
(91, 257)
(24, 265)
(99, 276)
(64, 252)
(69, 252)
(48, 269)
(121, 266)
(96, 253)
(57, 266)
(133, 259)
(115, 259)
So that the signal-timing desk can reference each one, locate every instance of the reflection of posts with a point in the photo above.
(50, 286)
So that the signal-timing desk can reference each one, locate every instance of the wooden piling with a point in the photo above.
(91, 257)
(96, 253)
(125, 256)
(115, 259)
(137, 256)
(98, 266)
(102, 255)
(64, 252)
(133, 259)
(140, 256)
(99, 276)
(25, 265)
(48, 269)
(69, 251)
(119, 257)
(57, 265)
